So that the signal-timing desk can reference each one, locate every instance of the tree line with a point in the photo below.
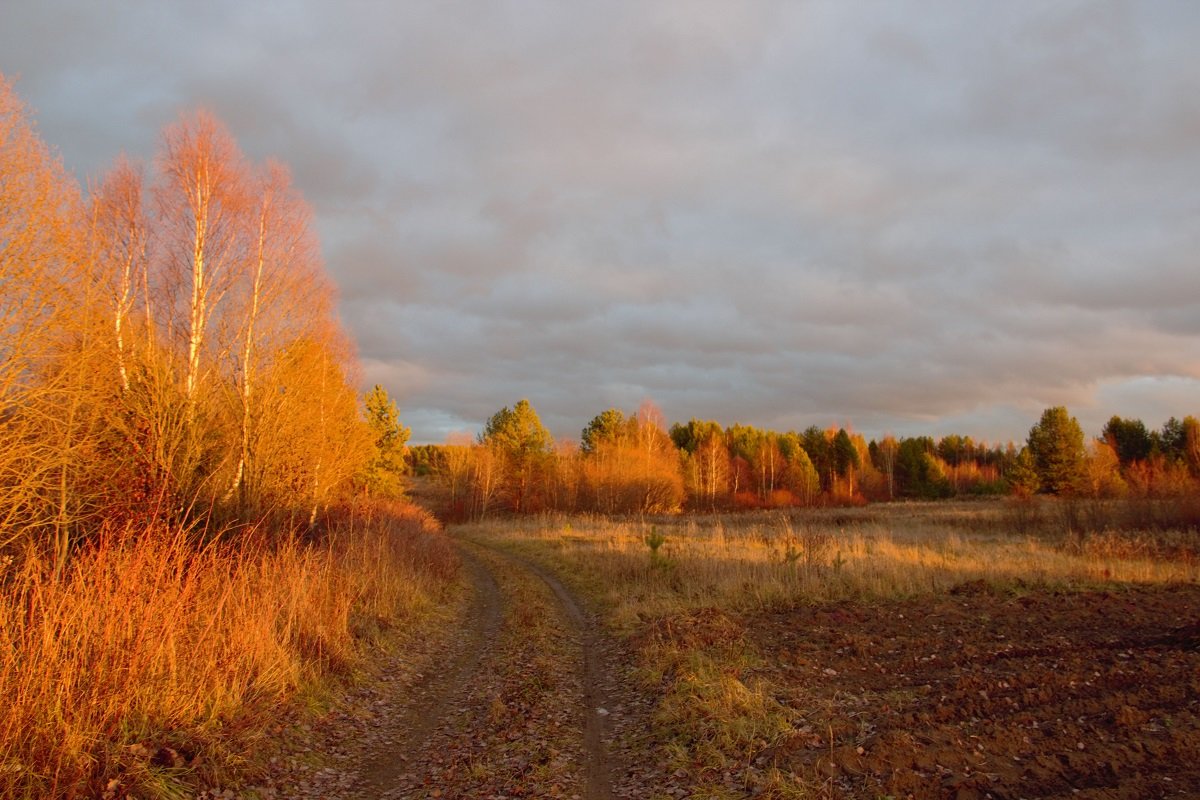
(634, 464)
(169, 349)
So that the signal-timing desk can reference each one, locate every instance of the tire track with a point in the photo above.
(440, 689)
(597, 770)
(453, 706)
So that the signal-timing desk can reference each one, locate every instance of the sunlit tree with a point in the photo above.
(203, 193)
(313, 440)
(604, 427)
(846, 461)
(521, 444)
(1102, 471)
(1056, 447)
(1022, 476)
(41, 286)
(164, 350)
(713, 467)
(632, 465)
(1191, 444)
(118, 245)
(276, 295)
(384, 472)
(886, 461)
(801, 479)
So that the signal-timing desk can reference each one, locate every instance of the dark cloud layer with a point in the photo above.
(908, 217)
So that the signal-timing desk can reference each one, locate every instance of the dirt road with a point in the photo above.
(516, 692)
(520, 712)
(442, 687)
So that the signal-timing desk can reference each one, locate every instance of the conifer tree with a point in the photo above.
(384, 472)
(1056, 447)
(521, 444)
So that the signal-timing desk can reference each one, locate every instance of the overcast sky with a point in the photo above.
(921, 217)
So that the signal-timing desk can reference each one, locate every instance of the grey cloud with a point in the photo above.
(774, 213)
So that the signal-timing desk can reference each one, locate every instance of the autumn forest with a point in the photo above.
(635, 464)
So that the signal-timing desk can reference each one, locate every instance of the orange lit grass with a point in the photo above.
(151, 639)
(764, 560)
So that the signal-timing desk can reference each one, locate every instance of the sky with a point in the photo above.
(905, 217)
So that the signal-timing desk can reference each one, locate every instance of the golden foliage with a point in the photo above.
(165, 360)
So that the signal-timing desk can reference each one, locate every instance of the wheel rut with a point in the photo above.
(597, 769)
(510, 691)
(520, 710)
(442, 688)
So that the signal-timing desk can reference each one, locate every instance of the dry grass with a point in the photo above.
(678, 585)
(773, 560)
(156, 661)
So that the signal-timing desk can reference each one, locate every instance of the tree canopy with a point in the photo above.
(605, 426)
(521, 445)
(1056, 448)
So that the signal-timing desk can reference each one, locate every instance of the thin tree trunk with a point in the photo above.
(312, 517)
(198, 308)
(248, 354)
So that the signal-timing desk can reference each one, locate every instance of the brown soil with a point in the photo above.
(525, 715)
(596, 689)
(983, 693)
(443, 685)
(512, 691)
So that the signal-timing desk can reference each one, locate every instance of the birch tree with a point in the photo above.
(313, 440)
(887, 450)
(118, 244)
(202, 197)
(276, 296)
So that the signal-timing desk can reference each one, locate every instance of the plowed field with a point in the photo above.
(979, 693)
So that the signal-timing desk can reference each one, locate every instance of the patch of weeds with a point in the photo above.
(714, 715)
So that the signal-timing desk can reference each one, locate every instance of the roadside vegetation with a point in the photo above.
(201, 522)
(156, 663)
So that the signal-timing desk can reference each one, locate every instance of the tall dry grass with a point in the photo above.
(155, 658)
(640, 568)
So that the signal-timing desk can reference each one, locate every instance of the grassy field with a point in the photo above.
(636, 569)
(158, 662)
(687, 594)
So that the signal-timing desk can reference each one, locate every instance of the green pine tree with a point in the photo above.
(384, 476)
(1022, 477)
(523, 446)
(1056, 447)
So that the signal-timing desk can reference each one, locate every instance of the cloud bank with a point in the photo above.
(775, 213)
